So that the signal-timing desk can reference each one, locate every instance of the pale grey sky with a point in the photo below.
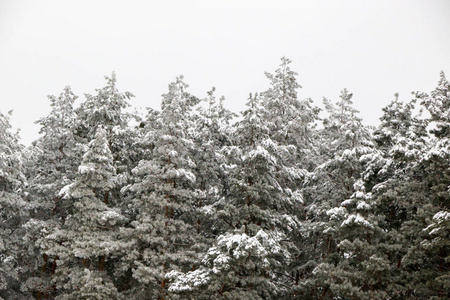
(372, 48)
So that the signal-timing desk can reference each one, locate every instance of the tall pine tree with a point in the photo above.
(88, 238)
(164, 197)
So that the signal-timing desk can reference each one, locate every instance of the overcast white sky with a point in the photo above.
(372, 48)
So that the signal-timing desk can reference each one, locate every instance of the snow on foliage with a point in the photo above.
(356, 219)
(190, 203)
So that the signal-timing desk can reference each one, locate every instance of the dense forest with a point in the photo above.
(192, 201)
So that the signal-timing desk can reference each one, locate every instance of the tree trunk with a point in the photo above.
(101, 263)
(163, 287)
(43, 269)
(325, 290)
(106, 197)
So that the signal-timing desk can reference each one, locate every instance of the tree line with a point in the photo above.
(193, 201)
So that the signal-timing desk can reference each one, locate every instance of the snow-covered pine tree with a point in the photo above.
(164, 198)
(438, 105)
(399, 139)
(89, 236)
(409, 184)
(105, 109)
(340, 220)
(345, 139)
(108, 109)
(211, 133)
(427, 186)
(250, 258)
(292, 121)
(397, 123)
(52, 163)
(14, 262)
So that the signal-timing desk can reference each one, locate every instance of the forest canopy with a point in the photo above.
(193, 201)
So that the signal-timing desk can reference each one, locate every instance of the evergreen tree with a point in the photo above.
(340, 223)
(13, 214)
(291, 120)
(88, 238)
(107, 109)
(51, 164)
(292, 123)
(54, 161)
(426, 262)
(249, 259)
(164, 198)
(397, 123)
(212, 132)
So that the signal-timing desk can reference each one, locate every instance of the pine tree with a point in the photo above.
(13, 214)
(51, 164)
(292, 121)
(250, 257)
(400, 138)
(426, 262)
(438, 105)
(88, 238)
(340, 221)
(211, 133)
(54, 160)
(398, 123)
(107, 109)
(165, 199)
